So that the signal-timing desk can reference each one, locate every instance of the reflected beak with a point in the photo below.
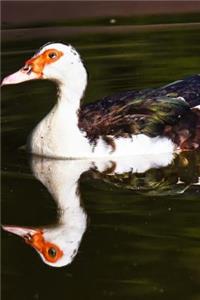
(28, 234)
(49, 252)
(22, 75)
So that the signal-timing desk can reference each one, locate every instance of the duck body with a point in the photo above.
(50, 137)
(145, 122)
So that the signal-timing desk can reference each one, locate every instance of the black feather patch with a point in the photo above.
(109, 141)
(137, 116)
(158, 112)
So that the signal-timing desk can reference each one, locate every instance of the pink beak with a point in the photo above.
(22, 75)
(20, 231)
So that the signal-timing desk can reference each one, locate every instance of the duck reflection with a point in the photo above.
(182, 173)
(58, 245)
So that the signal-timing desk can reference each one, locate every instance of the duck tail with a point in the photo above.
(173, 118)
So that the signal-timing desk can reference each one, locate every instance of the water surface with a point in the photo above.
(142, 237)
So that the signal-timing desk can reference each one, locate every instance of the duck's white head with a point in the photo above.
(57, 246)
(53, 61)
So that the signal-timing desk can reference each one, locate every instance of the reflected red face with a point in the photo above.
(50, 251)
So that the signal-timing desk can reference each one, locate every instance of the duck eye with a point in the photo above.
(52, 252)
(52, 55)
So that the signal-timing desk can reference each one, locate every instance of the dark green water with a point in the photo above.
(143, 234)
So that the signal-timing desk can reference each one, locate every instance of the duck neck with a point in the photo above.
(61, 178)
(70, 96)
(70, 139)
(58, 134)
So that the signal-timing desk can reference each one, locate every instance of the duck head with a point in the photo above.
(55, 246)
(54, 61)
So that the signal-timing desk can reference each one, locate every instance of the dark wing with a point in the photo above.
(136, 116)
(133, 112)
(188, 88)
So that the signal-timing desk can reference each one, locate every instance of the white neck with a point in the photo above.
(72, 91)
(72, 139)
(67, 108)
(61, 179)
(58, 133)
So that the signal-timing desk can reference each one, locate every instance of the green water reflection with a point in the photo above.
(138, 245)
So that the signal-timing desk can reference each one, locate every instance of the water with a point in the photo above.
(141, 239)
